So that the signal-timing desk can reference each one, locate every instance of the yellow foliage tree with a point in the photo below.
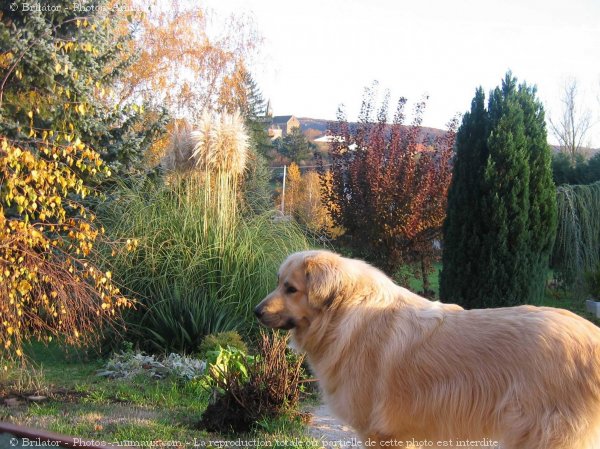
(56, 113)
(303, 201)
(182, 64)
(47, 286)
(293, 190)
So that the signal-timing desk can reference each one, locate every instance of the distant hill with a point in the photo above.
(314, 123)
(313, 128)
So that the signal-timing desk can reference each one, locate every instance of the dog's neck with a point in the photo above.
(311, 336)
(321, 337)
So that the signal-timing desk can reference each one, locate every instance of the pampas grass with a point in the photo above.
(191, 283)
(212, 157)
(178, 156)
(221, 144)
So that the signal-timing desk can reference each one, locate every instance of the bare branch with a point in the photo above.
(573, 123)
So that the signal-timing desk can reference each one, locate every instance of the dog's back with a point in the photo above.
(527, 376)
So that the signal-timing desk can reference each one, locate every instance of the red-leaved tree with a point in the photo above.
(390, 184)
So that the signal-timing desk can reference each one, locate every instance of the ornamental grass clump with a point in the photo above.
(220, 153)
(212, 158)
(199, 267)
(221, 144)
(178, 156)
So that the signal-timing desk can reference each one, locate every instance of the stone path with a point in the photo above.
(329, 430)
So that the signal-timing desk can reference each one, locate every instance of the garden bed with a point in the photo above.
(137, 410)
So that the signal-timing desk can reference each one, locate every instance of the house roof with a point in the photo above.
(282, 118)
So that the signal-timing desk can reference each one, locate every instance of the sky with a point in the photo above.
(318, 54)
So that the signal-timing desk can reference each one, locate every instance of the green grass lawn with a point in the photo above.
(416, 285)
(81, 404)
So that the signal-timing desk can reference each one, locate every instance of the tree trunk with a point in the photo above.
(425, 276)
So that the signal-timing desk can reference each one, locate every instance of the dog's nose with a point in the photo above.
(258, 311)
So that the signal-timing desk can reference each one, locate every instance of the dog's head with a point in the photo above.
(308, 284)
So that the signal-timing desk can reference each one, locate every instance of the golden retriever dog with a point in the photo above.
(408, 372)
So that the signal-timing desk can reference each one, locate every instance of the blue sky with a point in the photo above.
(319, 54)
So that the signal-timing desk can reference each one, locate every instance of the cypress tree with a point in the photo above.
(501, 216)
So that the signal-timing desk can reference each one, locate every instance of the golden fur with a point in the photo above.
(400, 368)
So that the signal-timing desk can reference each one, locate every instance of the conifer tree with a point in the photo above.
(501, 217)
(59, 73)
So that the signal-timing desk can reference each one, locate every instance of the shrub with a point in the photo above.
(388, 185)
(270, 389)
(224, 340)
(48, 285)
(129, 364)
(225, 362)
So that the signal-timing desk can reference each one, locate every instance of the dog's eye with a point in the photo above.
(291, 289)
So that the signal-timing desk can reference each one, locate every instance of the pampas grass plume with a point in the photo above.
(220, 144)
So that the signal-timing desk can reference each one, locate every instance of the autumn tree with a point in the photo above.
(304, 202)
(293, 188)
(310, 209)
(61, 68)
(58, 123)
(389, 185)
(182, 64)
(240, 93)
(501, 217)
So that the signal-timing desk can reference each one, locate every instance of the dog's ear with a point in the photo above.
(325, 279)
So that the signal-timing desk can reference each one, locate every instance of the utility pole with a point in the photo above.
(283, 191)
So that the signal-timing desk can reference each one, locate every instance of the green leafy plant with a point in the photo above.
(252, 390)
(225, 362)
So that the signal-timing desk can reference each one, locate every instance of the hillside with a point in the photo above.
(314, 128)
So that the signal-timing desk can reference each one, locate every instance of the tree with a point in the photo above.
(294, 185)
(182, 64)
(256, 188)
(573, 124)
(576, 252)
(55, 115)
(581, 171)
(295, 146)
(304, 202)
(61, 68)
(240, 92)
(389, 186)
(501, 217)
